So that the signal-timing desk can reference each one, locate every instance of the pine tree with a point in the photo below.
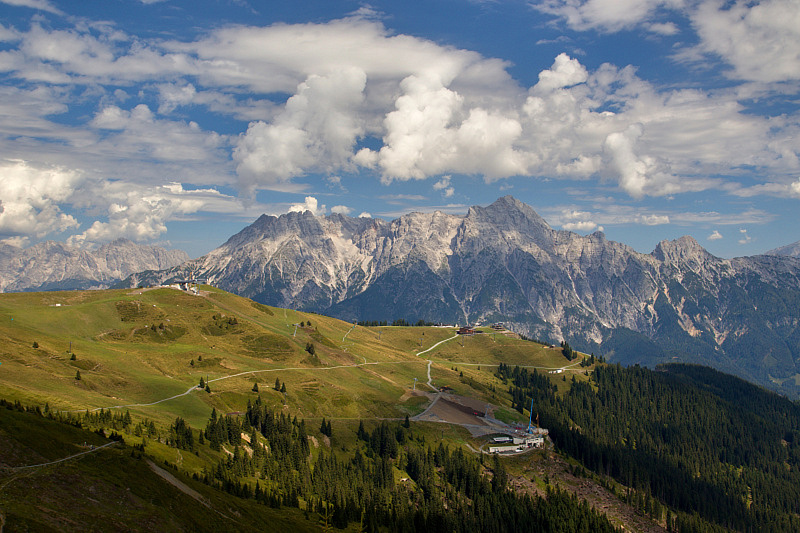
(277, 384)
(283, 387)
(255, 386)
(202, 383)
(78, 375)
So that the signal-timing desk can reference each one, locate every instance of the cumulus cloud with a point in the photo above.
(575, 220)
(757, 39)
(310, 204)
(435, 109)
(586, 225)
(432, 130)
(316, 131)
(341, 210)
(32, 196)
(348, 96)
(754, 38)
(171, 96)
(138, 213)
(36, 200)
(715, 236)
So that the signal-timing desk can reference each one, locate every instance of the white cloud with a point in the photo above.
(437, 109)
(442, 183)
(654, 220)
(364, 215)
(444, 186)
(341, 210)
(42, 5)
(138, 213)
(137, 135)
(580, 226)
(318, 90)
(316, 131)
(310, 204)
(565, 72)
(575, 220)
(759, 40)
(36, 199)
(795, 188)
(171, 96)
(606, 15)
(31, 199)
(745, 237)
(715, 236)
(663, 28)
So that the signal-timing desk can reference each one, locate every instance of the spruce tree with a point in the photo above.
(78, 375)
(255, 386)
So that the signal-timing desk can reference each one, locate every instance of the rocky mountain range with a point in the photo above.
(792, 250)
(504, 263)
(57, 266)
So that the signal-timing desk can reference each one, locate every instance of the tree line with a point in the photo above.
(720, 451)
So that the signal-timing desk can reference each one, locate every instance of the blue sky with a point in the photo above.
(178, 123)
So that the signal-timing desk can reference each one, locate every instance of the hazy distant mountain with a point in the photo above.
(56, 266)
(792, 250)
(504, 263)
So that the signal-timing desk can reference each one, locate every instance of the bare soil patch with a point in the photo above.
(447, 410)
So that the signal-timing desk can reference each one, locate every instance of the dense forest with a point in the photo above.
(271, 463)
(446, 490)
(720, 451)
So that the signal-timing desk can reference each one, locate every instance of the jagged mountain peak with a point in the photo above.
(681, 250)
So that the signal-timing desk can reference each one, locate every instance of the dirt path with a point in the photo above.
(178, 484)
(16, 468)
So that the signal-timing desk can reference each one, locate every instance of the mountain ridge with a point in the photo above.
(504, 263)
(53, 265)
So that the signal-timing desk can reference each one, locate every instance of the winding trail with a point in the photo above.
(65, 458)
(248, 372)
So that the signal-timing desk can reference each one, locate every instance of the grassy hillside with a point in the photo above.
(119, 491)
(141, 354)
(136, 348)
